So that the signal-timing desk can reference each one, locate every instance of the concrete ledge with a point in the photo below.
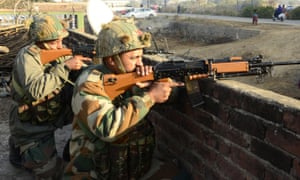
(264, 95)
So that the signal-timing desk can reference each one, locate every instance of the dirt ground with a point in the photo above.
(275, 42)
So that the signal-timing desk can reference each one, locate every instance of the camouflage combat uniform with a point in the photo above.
(38, 110)
(111, 139)
(95, 113)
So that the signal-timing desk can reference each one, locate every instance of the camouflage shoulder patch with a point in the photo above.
(94, 84)
(94, 76)
(34, 50)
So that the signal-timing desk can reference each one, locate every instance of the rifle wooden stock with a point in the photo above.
(50, 55)
(116, 84)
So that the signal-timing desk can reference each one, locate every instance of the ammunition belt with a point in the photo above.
(128, 159)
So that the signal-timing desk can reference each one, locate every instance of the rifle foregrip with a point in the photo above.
(165, 80)
(197, 76)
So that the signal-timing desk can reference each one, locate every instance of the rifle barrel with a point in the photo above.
(280, 63)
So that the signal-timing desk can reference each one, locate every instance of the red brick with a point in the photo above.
(276, 157)
(197, 177)
(212, 173)
(217, 109)
(291, 121)
(218, 144)
(202, 117)
(248, 161)
(230, 170)
(296, 168)
(271, 174)
(231, 134)
(248, 123)
(283, 139)
(195, 162)
(206, 153)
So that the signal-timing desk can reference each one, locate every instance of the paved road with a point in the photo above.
(239, 19)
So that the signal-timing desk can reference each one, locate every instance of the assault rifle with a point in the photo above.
(50, 55)
(187, 69)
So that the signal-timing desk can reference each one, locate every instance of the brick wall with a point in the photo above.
(240, 132)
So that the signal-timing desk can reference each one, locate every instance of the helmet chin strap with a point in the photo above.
(46, 46)
(43, 45)
(119, 65)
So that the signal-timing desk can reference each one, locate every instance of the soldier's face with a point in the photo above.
(132, 59)
(55, 44)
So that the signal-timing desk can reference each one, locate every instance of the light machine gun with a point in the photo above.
(187, 69)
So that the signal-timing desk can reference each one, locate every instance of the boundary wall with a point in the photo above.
(240, 132)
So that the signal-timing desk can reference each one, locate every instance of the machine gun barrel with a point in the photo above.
(270, 64)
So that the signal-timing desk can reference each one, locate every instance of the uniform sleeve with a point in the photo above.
(32, 76)
(94, 108)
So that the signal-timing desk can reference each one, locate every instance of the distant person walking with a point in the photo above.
(178, 9)
(283, 9)
(255, 17)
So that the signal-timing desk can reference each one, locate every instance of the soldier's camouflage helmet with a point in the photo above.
(46, 28)
(120, 35)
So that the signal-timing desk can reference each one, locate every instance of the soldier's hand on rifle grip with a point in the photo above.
(143, 70)
(160, 90)
(76, 62)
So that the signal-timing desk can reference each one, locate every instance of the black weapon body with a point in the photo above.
(188, 69)
(216, 68)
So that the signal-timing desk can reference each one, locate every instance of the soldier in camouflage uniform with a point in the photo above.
(38, 108)
(111, 138)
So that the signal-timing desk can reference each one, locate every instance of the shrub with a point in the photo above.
(263, 12)
(294, 14)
